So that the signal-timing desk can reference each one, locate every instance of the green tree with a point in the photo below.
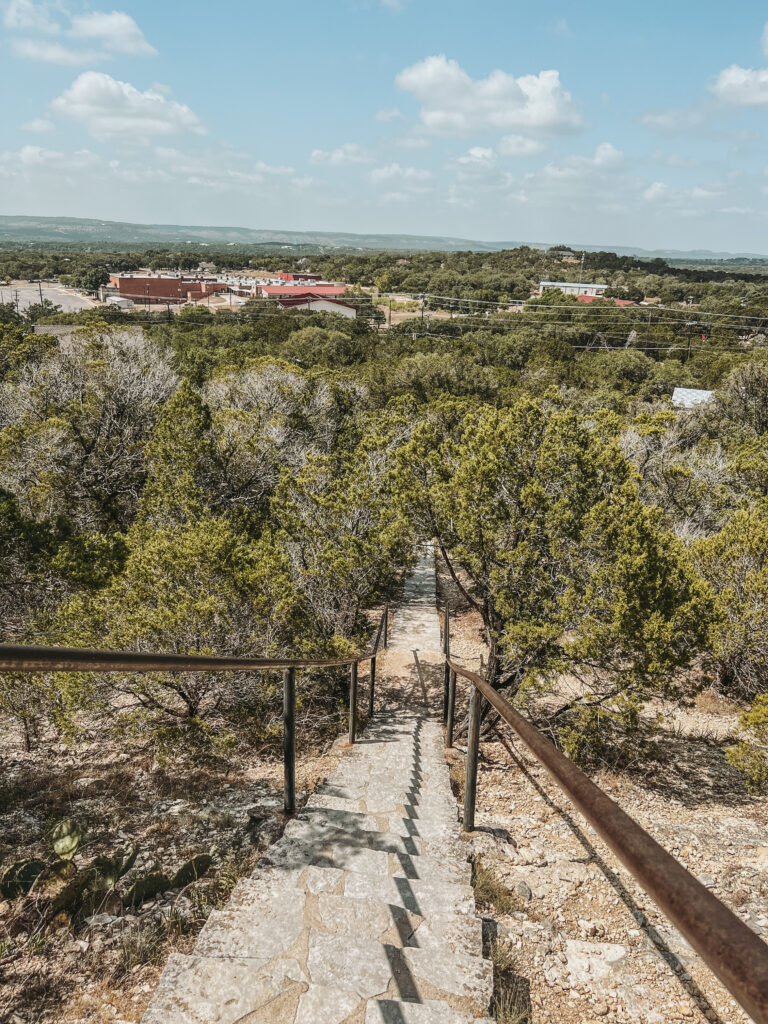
(735, 564)
(569, 571)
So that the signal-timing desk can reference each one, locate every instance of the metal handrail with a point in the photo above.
(731, 950)
(18, 658)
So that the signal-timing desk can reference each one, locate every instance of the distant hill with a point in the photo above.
(100, 232)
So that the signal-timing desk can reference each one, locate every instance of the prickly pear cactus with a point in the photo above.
(19, 877)
(66, 838)
(191, 871)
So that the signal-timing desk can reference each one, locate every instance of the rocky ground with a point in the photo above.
(104, 968)
(587, 943)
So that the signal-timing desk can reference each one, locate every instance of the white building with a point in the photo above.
(574, 288)
(319, 305)
(686, 398)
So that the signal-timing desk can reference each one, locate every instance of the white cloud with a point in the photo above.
(35, 157)
(606, 158)
(38, 124)
(674, 120)
(742, 87)
(54, 52)
(657, 190)
(390, 114)
(117, 32)
(109, 33)
(394, 172)
(561, 27)
(680, 199)
(478, 155)
(453, 103)
(519, 145)
(110, 109)
(24, 15)
(348, 153)
(220, 170)
(411, 142)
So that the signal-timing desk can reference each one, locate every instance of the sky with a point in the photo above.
(586, 123)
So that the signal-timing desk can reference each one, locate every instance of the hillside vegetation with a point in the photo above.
(255, 483)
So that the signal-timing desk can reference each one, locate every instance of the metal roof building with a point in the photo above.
(686, 398)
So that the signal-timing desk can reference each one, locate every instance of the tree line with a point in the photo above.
(254, 483)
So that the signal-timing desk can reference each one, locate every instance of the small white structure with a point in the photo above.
(116, 300)
(320, 305)
(686, 398)
(574, 288)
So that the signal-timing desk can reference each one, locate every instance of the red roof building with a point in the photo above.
(175, 290)
(273, 291)
(298, 276)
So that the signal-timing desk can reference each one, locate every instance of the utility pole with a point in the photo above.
(40, 289)
(389, 321)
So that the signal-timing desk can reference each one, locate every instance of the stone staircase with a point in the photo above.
(363, 912)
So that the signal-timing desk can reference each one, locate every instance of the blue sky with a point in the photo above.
(590, 123)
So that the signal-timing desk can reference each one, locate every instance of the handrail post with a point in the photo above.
(470, 774)
(289, 741)
(451, 709)
(446, 669)
(371, 686)
(352, 702)
(386, 625)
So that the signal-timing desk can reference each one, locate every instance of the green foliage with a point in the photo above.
(756, 718)
(569, 570)
(735, 564)
(111, 869)
(19, 877)
(751, 763)
(66, 838)
(68, 888)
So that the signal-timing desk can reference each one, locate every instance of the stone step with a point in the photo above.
(340, 975)
(422, 897)
(340, 842)
(373, 969)
(397, 1011)
(211, 990)
(260, 921)
(327, 847)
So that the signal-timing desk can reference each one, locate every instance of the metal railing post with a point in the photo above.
(470, 775)
(451, 709)
(386, 626)
(371, 687)
(289, 741)
(446, 669)
(352, 702)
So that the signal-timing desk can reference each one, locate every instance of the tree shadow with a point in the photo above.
(693, 771)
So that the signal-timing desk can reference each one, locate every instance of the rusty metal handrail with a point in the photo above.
(731, 950)
(18, 658)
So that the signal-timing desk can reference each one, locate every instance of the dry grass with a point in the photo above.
(511, 1004)
(490, 891)
(457, 776)
(710, 702)
(511, 998)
